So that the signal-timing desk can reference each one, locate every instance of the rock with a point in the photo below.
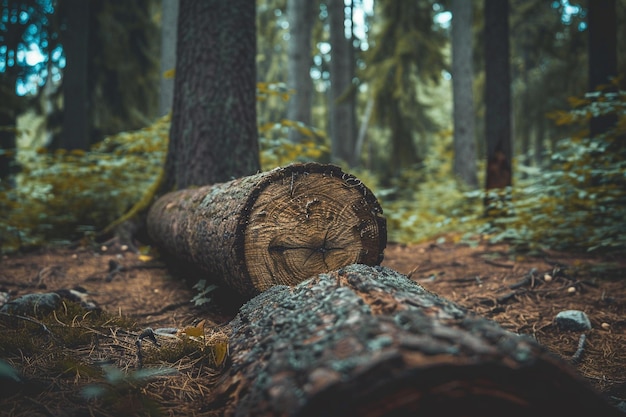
(4, 298)
(574, 320)
(32, 304)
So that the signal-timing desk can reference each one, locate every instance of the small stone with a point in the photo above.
(571, 290)
(4, 298)
(605, 326)
(74, 256)
(103, 248)
(547, 277)
(574, 320)
(124, 248)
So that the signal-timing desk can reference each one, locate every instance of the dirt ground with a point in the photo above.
(522, 292)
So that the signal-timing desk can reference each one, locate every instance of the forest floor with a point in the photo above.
(522, 292)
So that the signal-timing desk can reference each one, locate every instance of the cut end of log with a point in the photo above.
(309, 219)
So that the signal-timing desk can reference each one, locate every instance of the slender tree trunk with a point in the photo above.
(76, 104)
(523, 127)
(540, 146)
(342, 94)
(301, 17)
(497, 95)
(168, 53)
(602, 54)
(8, 122)
(213, 137)
(463, 84)
(370, 342)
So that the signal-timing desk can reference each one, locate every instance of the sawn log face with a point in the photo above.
(276, 227)
(367, 341)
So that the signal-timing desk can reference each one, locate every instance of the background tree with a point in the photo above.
(602, 55)
(463, 85)
(213, 137)
(342, 89)
(169, 18)
(301, 16)
(550, 39)
(497, 95)
(407, 54)
(8, 113)
(77, 123)
(22, 24)
(126, 95)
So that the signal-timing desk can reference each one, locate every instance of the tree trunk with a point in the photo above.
(497, 95)
(366, 341)
(276, 227)
(76, 104)
(342, 94)
(169, 20)
(602, 55)
(301, 16)
(12, 105)
(463, 87)
(213, 137)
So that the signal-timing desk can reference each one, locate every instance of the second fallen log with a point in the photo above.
(275, 227)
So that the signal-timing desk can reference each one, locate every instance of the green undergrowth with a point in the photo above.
(579, 201)
(576, 203)
(91, 360)
(64, 196)
(61, 196)
(69, 326)
(428, 202)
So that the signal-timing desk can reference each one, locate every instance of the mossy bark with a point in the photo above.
(368, 341)
(276, 227)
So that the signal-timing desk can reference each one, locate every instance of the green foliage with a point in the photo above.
(579, 203)
(65, 195)
(67, 326)
(204, 289)
(407, 56)
(426, 201)
(276, 148)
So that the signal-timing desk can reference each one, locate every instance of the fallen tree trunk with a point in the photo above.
(368, 341)
(275, 227)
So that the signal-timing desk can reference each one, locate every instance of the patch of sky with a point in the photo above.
(569, 13)
(31, 56)
(442, 17)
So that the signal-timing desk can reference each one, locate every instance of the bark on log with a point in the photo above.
(276, 227)
(366, 341)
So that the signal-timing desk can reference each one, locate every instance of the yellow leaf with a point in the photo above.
(145, 258)
(220, 350)
(217, 344)
(194, 331)
(577, 101)
(169, 74)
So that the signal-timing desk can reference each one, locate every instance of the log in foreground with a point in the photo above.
(366, 341)
(275, 227)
